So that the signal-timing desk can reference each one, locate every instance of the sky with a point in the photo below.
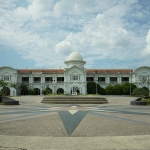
(108, 34)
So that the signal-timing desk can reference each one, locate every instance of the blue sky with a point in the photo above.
(42, 33)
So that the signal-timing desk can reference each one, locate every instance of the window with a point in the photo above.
(74, 77)
(37, 79)
(89, 79)
(113, 79)
(101, 79)
(60, 78)
(6, 78)
(125, 79)
(143, 78)
(48, 79)
(25, 79)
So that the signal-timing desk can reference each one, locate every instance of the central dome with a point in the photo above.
(75, 56)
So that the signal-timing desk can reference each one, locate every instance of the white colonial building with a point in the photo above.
(73, 78)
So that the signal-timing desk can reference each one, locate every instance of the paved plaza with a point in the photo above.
(34, 125)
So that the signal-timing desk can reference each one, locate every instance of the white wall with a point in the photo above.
(80, 83)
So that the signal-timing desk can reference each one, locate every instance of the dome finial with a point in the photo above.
(75, 56)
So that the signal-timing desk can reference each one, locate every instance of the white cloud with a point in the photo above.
(99, 37)
(40, 8)
(37, 10)
(146, 50)
(46, 30)
(73, 7)
(65, 48)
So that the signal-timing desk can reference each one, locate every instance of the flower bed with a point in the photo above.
(138, 101)
(146, 99)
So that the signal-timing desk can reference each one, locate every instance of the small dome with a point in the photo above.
(75, 56)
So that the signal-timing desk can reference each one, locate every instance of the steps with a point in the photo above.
(74, 100)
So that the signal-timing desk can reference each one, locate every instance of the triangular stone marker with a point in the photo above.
(71, 121)
(73, 106)
(73, 111)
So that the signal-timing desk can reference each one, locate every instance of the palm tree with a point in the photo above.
(24, 89)
(13, 85)
(4, 84)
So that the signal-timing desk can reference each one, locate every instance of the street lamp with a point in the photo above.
(96, 85)
(53, 85)
(131, 82)
(96, 80)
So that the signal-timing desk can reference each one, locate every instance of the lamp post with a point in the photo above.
(96, 85)
(130, 89)
(96, 80)
(148, 82)
(131, 82)
(53, 86)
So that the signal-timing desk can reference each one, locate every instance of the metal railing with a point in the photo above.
(60, 81)
(89, 81)
(113, 82)
(101, 81)
(124, 81)
(25, 82)
(36, 81)
(48, 81)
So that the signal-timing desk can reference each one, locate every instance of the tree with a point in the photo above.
(91, 88)
(109, 90)
(47, 91)
(24, 89)
(117, 89)
(13, 85)
(31, 91)
(140, 92)
(4, 85)
(126, 87)
(144, 82)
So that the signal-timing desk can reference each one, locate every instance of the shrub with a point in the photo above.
(109, 90)
(24, 89)
(146, 100)
(60, 91)
(47, 91)
(31, 92)
(91, 88)
(100, 90)
(117, 89)
(140, 92)
(126, 88)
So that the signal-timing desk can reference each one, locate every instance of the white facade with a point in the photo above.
(73, 78)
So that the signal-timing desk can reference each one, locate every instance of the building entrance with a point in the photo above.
(75, 90)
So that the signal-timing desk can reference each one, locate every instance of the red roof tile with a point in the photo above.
(27, 71)
(111, 71)
(61, 71)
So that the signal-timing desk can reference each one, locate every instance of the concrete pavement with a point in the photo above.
(33, 125)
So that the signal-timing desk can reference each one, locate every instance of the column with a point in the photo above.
(107, 79)
(15, 78)
(43, 79)
(41, 89)
(118, 79)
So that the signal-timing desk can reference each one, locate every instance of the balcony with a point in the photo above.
(113, 82)
(36, 82)
(25, 82)
(48, 81)
(89, 81)
(60, 82)
(124, 81)
(101, 82)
